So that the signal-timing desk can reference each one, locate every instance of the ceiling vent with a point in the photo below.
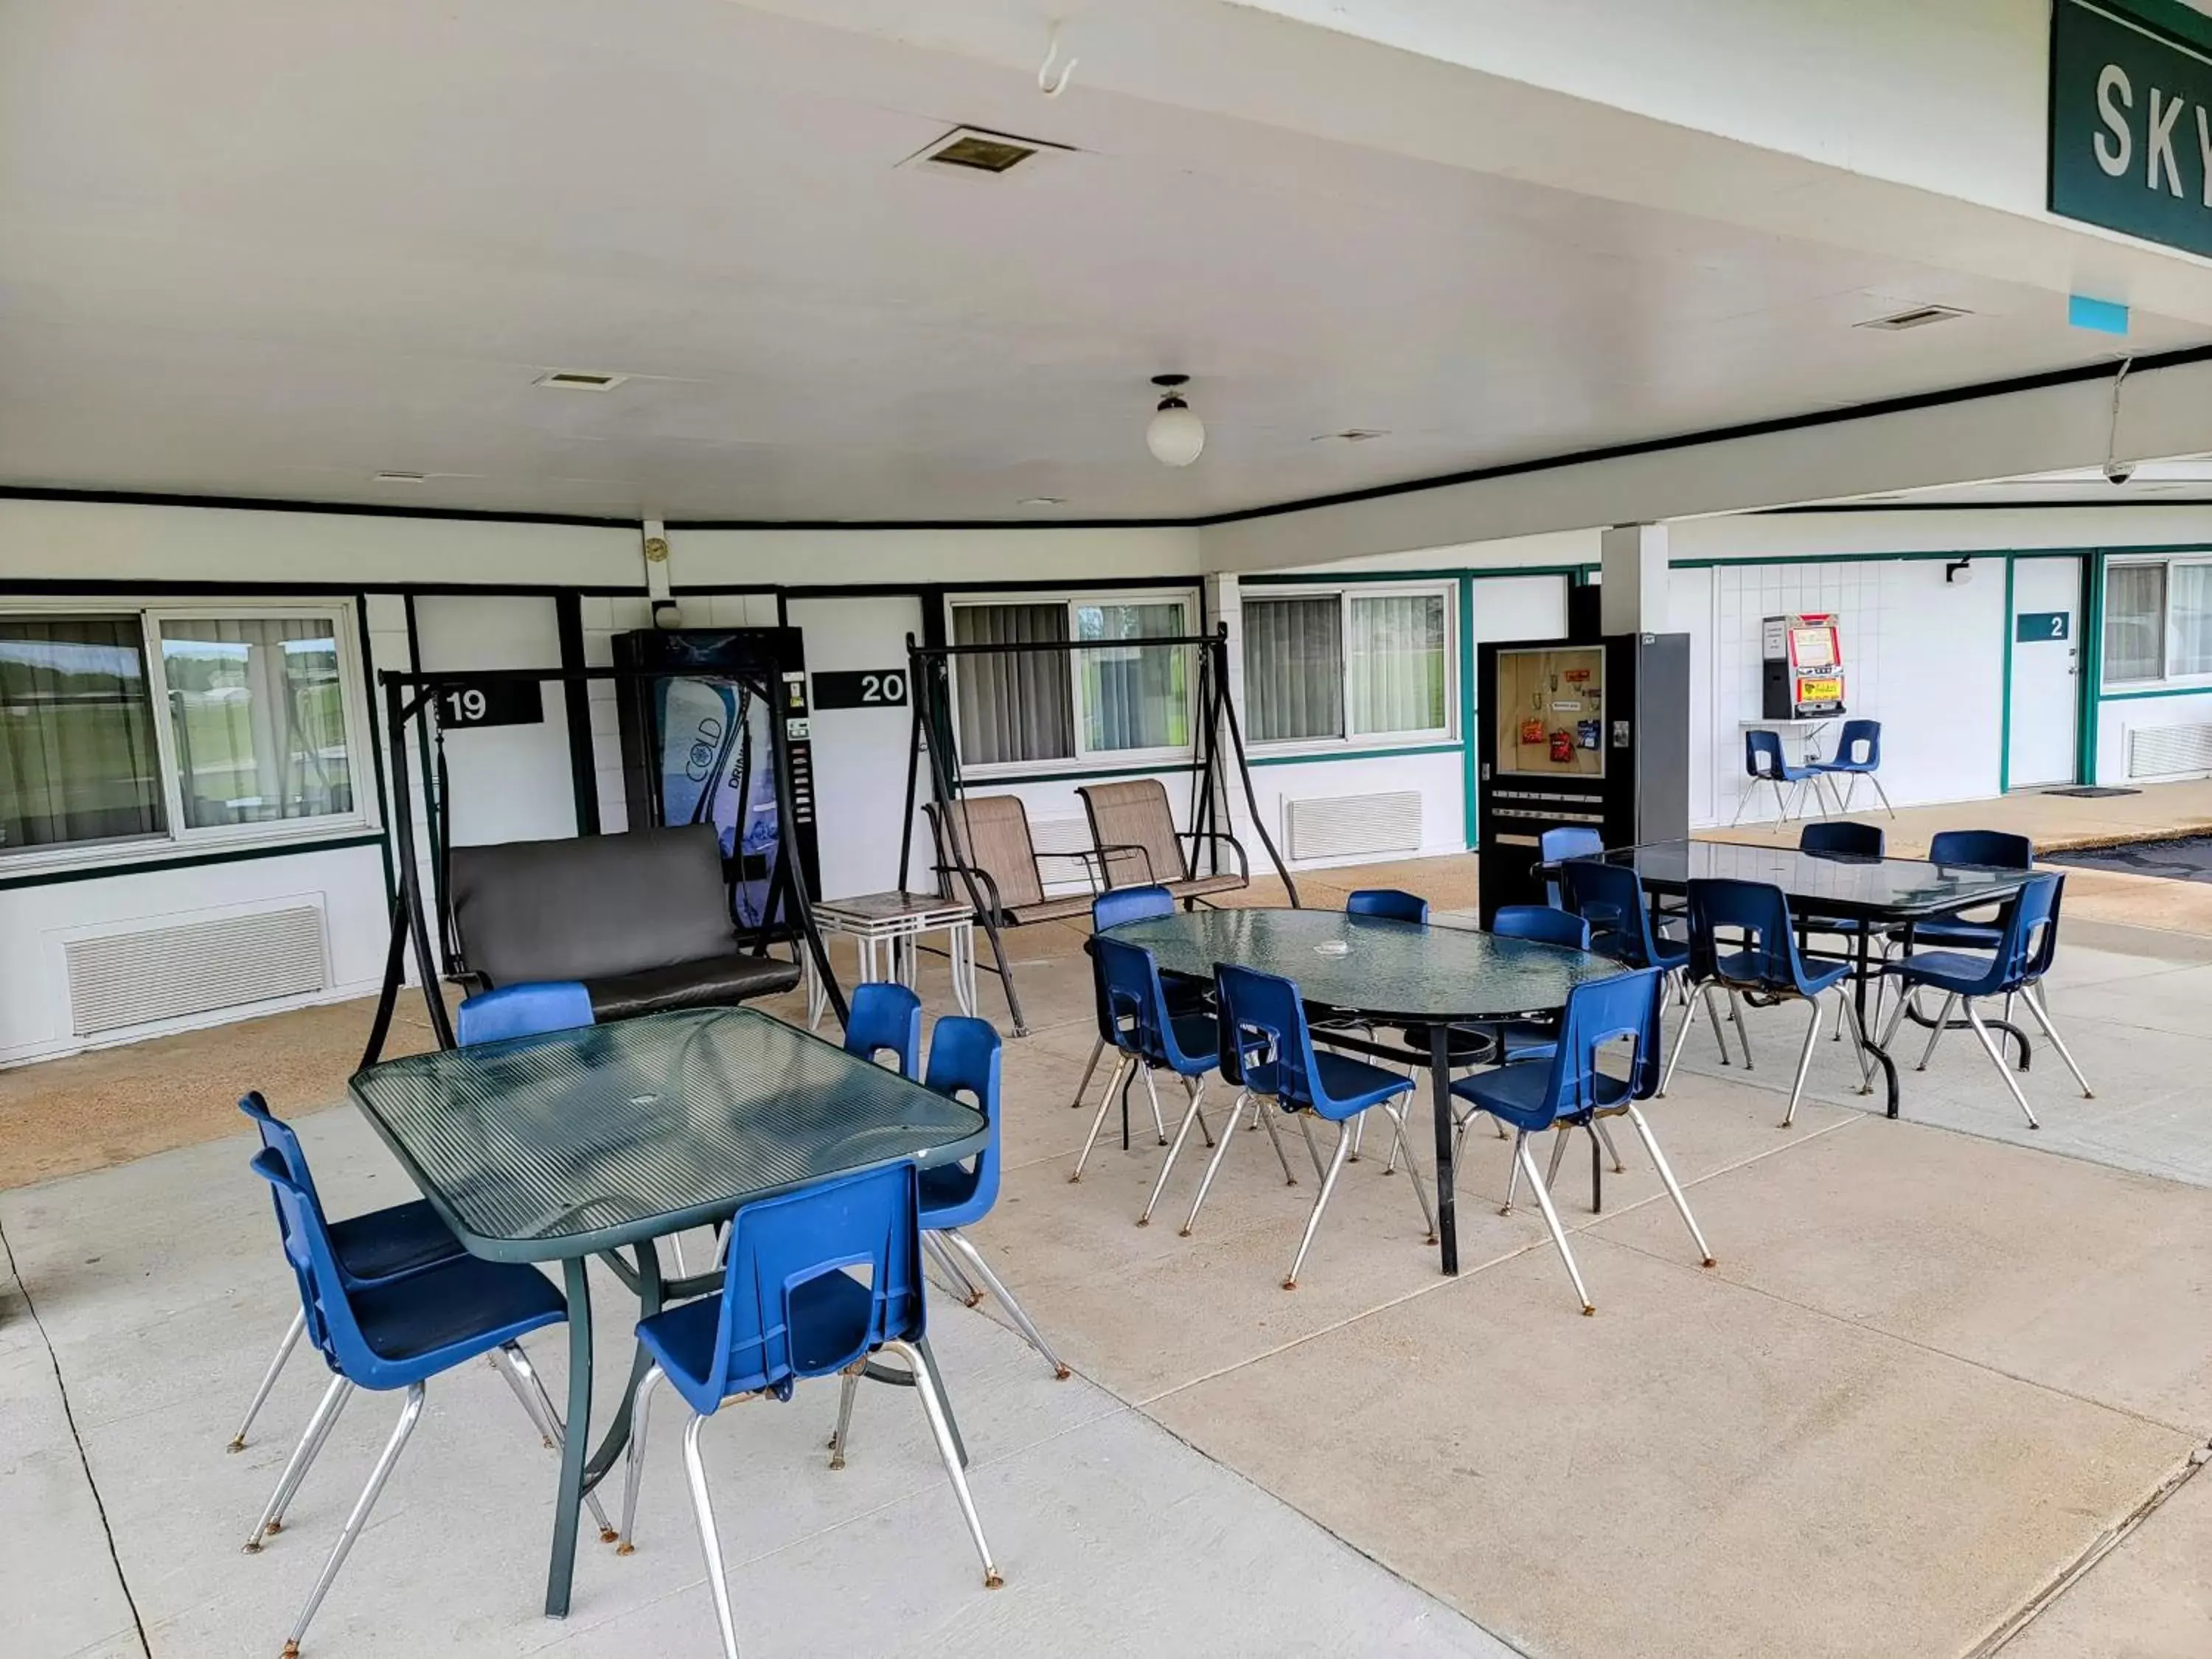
(1918, 317)
(403, 477)
(1353, 435)
(972, 151)
(577, 380)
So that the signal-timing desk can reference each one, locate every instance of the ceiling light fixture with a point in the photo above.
(1177, 436)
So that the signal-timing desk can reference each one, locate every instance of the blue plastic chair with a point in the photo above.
(1568, 1090)
(885, 1018)
(1542, 922)
(394, 1336)
(1760, 957)
(1110, 909)
(1843, 838)
(1148, 1035)
(1611, 898)
(1987, 849)
(790, 1308)
(1555, 847)
(2027, 941)
(513, 1010)
(963, 1060)
(371, 1250)
(1858, 755)
(1764, 762)
(1267, 1052)
(1389, 902)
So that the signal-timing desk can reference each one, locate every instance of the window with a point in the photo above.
(161, 726)
(1123, 700)
(1323, 668)
(2189, 608)
(2135, 621)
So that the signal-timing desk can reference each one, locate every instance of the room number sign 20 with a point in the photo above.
(860, 687)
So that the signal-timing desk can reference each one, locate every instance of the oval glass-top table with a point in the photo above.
(1386, 973)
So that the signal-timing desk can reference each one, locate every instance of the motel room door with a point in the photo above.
(861, 748)
(2043, 699)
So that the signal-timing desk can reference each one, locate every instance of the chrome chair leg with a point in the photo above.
(1936, 1031)
(933, 1406)
(1152, 1094)
(1667, 1179)
(1804, 1060)
(1907, 999)
(1513, 1176)
(1105, 1105)
(1405, 1144)
(710, 1541)
(1858, 1028)
(1875, 778)
(1305, 1129)
(960, 1242)
(1996, 1059)
(1527, 1165)
(1174, 1150)
(303, 1456)
(1605, 1138)
(848, 1386)
(522, 1376)
(1735, 1013)
(1682, 1033)
(1560, 1136)
(641, 1417)
(1220, 1148)
(292, 1333)
(1268, 1112)
(2033, 999)
(963, 1286)
(1358, 1127)
(1195, 1086)
(1320, 1203)
(1088, 1071)
(409, 1414)
(1720, 1036)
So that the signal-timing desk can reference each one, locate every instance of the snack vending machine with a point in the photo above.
(697, 747)
(1804, 667)
(1590, 733)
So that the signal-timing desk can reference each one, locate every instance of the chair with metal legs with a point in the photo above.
(1764, 762)
(1858, 755)
(886, 1019)
(1760, 959)
(1569, 1089)
(2027, 941)
(396, 1336)
(1110, 909)
(1555, 847)
(1267, 1051)
(791, 1309)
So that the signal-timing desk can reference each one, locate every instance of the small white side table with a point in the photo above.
(897, 921)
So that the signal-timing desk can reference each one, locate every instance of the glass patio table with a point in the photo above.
(1376, 971)
(1882, 893)
(573, 1144)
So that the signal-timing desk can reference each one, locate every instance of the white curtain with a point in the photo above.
(1139, 697)
(257, 713)
(2190, 596)
(78, 760)
(1397, 668)
(1012, 707)
(1294, 668)
(2135, 621)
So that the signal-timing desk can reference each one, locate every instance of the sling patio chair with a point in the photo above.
(991, 846)
(1137, 844)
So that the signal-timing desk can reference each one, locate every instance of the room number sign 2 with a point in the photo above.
(860, 687)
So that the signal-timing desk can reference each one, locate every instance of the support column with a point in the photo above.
(1633, 595)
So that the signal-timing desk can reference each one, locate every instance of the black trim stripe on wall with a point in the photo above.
(190, 860)
(576, 695)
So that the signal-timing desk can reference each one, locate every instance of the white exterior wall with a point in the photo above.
(2119, 717)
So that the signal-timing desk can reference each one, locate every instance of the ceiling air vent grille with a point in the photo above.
(974, 152)
(118, 980)
(1918, 317)
(577, 380)
(1344, 826)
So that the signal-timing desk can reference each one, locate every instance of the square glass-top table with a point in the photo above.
(573, 1143)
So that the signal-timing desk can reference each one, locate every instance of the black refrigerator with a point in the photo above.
(1591, 734)
(699, 747)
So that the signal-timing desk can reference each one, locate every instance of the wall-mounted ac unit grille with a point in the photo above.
(1340, 826)
(2163, 751)
(166, 973)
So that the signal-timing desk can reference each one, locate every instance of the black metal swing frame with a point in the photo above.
(929, 678)
(410, 701)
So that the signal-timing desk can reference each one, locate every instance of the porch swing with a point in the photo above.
(983, 842)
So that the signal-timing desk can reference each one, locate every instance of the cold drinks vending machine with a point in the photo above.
(1804, 667)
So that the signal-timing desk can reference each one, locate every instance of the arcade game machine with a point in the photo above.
(1591, 734)
(1803, 677)
(697, 747)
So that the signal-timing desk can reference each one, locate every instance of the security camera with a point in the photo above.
(2118, 472)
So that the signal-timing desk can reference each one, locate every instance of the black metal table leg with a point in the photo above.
(570, 1503)
(1864, 963)
(1440, 1089)
(651, 1292)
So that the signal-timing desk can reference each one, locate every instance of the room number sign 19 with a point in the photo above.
(490, 703)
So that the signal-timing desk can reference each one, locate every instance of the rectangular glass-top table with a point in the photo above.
(1877, 892)
(573, 1144)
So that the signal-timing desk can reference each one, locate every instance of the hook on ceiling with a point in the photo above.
(1047, 83)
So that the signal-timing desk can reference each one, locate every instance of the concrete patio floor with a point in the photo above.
(1942, 1363)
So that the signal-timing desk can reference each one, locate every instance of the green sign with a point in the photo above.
(2030, 626)
(2131, 119)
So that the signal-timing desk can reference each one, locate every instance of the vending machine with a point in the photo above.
(1804, 667)
(698, 746)
(1590, 733)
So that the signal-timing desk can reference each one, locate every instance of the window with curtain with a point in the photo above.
(78, 757)
(1133, 697)
(2189, 609)
(1294, 668)
(256, 719)
(2135, 621)
(1016, 707)
(1396, 671)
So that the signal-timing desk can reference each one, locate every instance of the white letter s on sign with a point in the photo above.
(2113, 154)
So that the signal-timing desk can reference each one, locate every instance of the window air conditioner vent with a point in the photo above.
(1344, 826)
(118, 980)
(2165, 751)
